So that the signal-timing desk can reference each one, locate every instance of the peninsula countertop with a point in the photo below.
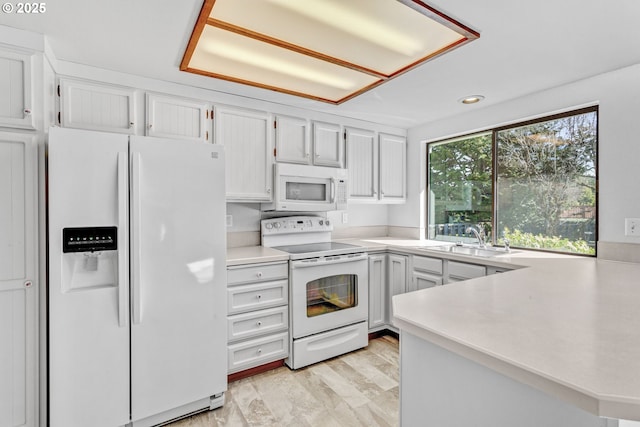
(569, 327)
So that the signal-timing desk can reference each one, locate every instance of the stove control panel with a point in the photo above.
(295, 224)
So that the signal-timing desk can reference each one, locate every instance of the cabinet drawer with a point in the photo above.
(432, 265)
(257, 296)
(256, 352)
(257, 273)
(466, 271)
(255, 323)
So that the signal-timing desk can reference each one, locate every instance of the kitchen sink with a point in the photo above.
(469, 250)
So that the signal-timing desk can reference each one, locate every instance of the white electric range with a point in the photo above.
(328, 288)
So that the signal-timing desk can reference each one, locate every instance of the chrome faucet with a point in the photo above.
(478, 234)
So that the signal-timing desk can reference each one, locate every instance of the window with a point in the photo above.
(534, 184)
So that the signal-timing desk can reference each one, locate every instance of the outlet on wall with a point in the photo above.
(345, 217)
(632, 227)
(229, 220)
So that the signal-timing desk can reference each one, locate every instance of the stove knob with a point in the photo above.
(320, 222)
(327, 222)
(276, 224)
(269, 226)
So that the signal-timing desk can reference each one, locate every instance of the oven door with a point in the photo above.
(328, 292)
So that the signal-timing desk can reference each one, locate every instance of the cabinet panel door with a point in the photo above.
(328, 145)
(95, 106)
(377, 290)
(18, 290)
(292, 140)
(397, 279)
(393, 168)
(171, 117)
(424, 280)
(249, 152)
(362, 162)
(15, 89)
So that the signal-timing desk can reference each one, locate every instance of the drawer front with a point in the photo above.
(257, 273)
(256, 352)
(432, 265)
(466, 271)
(257, 296)
(255, 323)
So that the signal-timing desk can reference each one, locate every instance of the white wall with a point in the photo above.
(618, 95)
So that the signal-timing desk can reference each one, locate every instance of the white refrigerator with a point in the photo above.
(137, 279)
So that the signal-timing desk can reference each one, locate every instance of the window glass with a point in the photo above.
(546, 184)
(460, 193)
(537, 192)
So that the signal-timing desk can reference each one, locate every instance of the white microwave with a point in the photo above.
(303, 188)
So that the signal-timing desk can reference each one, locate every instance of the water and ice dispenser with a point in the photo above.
(90, 257)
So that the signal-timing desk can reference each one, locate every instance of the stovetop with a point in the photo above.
(314, 250)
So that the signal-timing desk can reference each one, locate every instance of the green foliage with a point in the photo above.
(520, 239)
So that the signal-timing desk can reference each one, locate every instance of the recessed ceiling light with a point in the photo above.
(471, 99)
(327, 50)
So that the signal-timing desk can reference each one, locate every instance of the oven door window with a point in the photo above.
(332, 293)
(306, 191)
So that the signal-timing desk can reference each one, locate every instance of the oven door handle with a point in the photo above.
(338, 259)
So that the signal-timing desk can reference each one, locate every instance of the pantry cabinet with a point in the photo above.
(178, 118)
(18, 284)
(377, 291)
(249, 153)
(16, 97)
(258, 314)
(96, 106)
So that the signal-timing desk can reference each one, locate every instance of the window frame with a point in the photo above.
(494, 161)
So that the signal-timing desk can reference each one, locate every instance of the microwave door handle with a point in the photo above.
(333, 190)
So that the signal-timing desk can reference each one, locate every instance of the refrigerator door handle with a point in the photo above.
(136, 303)
(123, 273)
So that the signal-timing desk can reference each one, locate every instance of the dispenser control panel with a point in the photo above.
(89, 239)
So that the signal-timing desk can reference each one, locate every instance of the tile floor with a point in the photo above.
(356, 389)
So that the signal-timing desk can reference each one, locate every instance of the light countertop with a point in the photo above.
(254, 254)
(569, 327)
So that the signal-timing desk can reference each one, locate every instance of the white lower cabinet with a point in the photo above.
(459, 271)
(18, 285)
(258, 314)
(377, 291)
(426, 272)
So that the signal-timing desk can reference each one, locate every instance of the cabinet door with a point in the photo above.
(292, 140)
(18, 290)
(393, 168)
(362, 162)
(15, 89)
(377, 290)
(170, 117)
(95, 106)
(248, 149)
(462, 271)
(328, 145)
(397, 279)
(422, 280)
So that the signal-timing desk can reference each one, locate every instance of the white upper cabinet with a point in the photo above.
(328, 145)
(16, 89)
(96, 106)
(18, 287)
(292, 140)
(362, 161)
(246, 135)
(393, 167)
(178, 118)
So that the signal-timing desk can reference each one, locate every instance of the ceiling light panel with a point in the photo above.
(340, 47)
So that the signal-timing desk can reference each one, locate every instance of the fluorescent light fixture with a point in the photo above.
(327, 50)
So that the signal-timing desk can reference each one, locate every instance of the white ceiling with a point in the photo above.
(524, 47)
